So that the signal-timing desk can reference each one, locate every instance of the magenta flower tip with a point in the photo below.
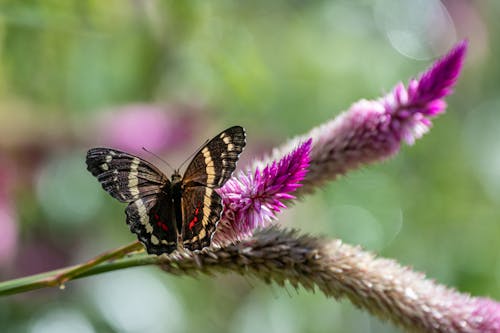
(438, 81)
(410, 108)
(252, 199)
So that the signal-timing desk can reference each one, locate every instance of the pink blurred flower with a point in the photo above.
(132, 127)
(8, 217)
(8, 236)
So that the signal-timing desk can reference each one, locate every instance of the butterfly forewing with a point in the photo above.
(124, 176)
(215, 162)
(201, 210)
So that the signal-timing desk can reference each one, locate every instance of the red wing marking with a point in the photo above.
(160, 223)
(195, 219)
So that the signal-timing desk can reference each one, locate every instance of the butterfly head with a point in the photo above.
(176, 176)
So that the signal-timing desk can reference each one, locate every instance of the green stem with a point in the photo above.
(120, 252)
(99, 264)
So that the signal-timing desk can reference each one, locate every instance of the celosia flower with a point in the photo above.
(380, 286)
(373, 130)
(252, 199)
(368, 132)
(485, 315)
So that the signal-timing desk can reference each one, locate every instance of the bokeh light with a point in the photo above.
(61, 321)
(66, 192)
(136, 301)
(420, 29)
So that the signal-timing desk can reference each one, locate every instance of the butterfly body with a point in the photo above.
(168, 214)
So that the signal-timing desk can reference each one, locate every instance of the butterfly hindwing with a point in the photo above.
(201, 210)
(124, 176)
(213, 165)
(151, 219)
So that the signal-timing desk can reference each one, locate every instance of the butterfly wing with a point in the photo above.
(211, 167)
(131, 179)
(151, 219)
(214, 164)
(150, 213)
(201, 210)
(124, 176)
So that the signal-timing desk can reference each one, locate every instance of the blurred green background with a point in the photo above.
(169, 74)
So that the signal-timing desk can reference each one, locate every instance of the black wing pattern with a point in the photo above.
(201, 211)
(124, 176)
(151, 219)
(131, 179)
(212, 166)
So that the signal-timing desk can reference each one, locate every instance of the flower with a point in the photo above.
(373, 130)
(486, 314)
(380, 286)
(252, 199)
(368, 132)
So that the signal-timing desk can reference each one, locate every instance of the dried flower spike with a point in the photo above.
(380, 286)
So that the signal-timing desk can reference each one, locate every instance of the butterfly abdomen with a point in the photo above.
(177, 202)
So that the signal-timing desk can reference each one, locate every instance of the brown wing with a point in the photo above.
(124, 176)
(215, 162)
(201, 211)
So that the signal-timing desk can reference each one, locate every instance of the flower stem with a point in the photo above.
(101, 263)
(69, 274)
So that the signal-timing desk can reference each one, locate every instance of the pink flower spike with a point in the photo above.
(373, 130)
(252, 199)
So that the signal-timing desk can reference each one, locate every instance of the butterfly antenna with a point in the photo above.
(195, 152)
(158, 157)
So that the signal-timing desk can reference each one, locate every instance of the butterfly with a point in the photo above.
(182, 212)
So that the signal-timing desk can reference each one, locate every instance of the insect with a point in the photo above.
(182, 212)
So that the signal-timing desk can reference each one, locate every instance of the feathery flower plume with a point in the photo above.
(373, 130)
(252, 199)
(381, 286)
